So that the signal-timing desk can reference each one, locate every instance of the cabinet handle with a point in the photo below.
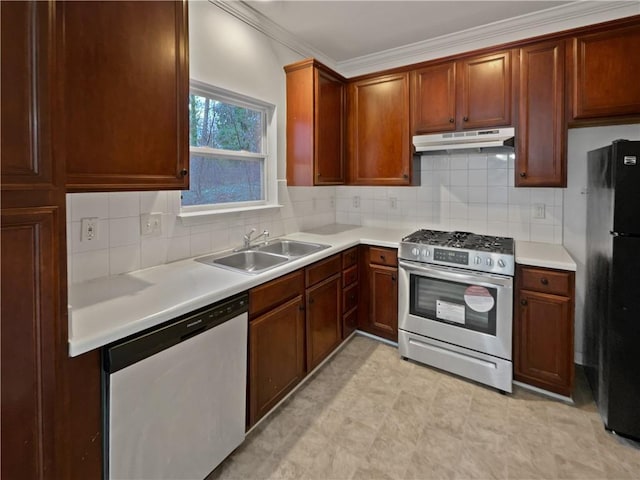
(382, 257)
(523, 302)
(352, 297)
(393, 278)
(451, 120)
(544, 281)
(184, 172)
(301, 308)
(310, 301)
(405, 176)
(523, 174)
(466, 119)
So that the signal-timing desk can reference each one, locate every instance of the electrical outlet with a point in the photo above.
(89, 229)
(356, 202)
(393, 203)
(151, 224)
(538, 210)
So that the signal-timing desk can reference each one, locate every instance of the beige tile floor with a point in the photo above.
(367, 414)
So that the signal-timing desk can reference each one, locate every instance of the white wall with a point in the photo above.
(472, 192)
(581, 141)
(226, 53)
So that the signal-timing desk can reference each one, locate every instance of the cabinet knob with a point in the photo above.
(523, 174)
(393, 278)
(301, 308)
(184, 172)
(405, 176)
(383, 258)
(544, 281)
(451, 120)
(310, 300)
(466, 119)
(523, 302)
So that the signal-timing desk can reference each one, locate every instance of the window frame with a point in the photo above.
(269, 137)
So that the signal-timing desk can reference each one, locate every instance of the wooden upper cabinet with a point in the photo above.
(433, 99)
(315, 125)
(541, 133)
(124, 85)
(485, 91)
(379, 131)
(604, 74)
(471, 93)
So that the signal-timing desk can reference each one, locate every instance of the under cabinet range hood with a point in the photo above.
(494, 139)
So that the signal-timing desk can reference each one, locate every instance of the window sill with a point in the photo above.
(205, 216)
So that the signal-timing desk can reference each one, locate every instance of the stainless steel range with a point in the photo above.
(455, 305)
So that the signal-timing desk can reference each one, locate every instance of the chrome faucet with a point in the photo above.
(248, 240)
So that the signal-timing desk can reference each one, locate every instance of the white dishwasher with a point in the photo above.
(174, 396)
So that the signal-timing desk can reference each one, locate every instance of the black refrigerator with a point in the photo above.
(612, 296)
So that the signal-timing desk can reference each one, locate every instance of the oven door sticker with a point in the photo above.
(450, 311)
(478, 298)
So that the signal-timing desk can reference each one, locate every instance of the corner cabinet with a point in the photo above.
(541, 134)
(543, 329)
(603, 74)
(471, 93)
(124, 86)
(379, 143)
(315, 125)
(378, 310)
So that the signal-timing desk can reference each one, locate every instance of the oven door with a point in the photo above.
(468, 309)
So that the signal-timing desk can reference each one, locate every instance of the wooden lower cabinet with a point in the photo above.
(324, 319)
(543, 330)
(276, 356)
(378, 307)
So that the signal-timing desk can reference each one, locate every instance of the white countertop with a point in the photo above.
(108, 309)
(544, 255)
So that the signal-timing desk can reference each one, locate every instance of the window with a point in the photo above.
(231, 166)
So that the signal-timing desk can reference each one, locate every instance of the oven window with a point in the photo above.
(466, 306)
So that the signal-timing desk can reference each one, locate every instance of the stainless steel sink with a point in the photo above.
(292, 248)
(249, 261)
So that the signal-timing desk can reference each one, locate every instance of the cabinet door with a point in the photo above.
(543, 344)
(604, 74)
(329, 130)
(485, 91)
(379, 141)
(324, 318)
(276, 356)
(541, 159)
(383, 301)
(434, 99)
(124, 86)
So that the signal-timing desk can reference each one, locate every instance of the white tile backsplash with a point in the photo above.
(465, 192)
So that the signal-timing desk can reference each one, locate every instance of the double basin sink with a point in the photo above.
(264, 257)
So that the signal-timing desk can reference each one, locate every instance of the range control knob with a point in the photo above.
(489, 262)
(478, 260)
(415, 251)
(425, 253)
(501, 263)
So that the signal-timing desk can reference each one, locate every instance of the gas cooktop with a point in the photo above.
(460, 249)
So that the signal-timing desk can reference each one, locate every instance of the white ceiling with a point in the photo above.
(344, 30)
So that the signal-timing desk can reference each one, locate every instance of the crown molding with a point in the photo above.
(263, 24)
(563, 17)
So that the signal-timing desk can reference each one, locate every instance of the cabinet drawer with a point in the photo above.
(349, 276)
(349, 298)
(323, 269)
(383, 256)
(349, 257)
(349, 322)
(273, 293)
(546, 281)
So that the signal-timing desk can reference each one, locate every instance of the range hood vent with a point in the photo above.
(494, 139)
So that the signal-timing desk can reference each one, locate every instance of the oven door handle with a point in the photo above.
(444, 273)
